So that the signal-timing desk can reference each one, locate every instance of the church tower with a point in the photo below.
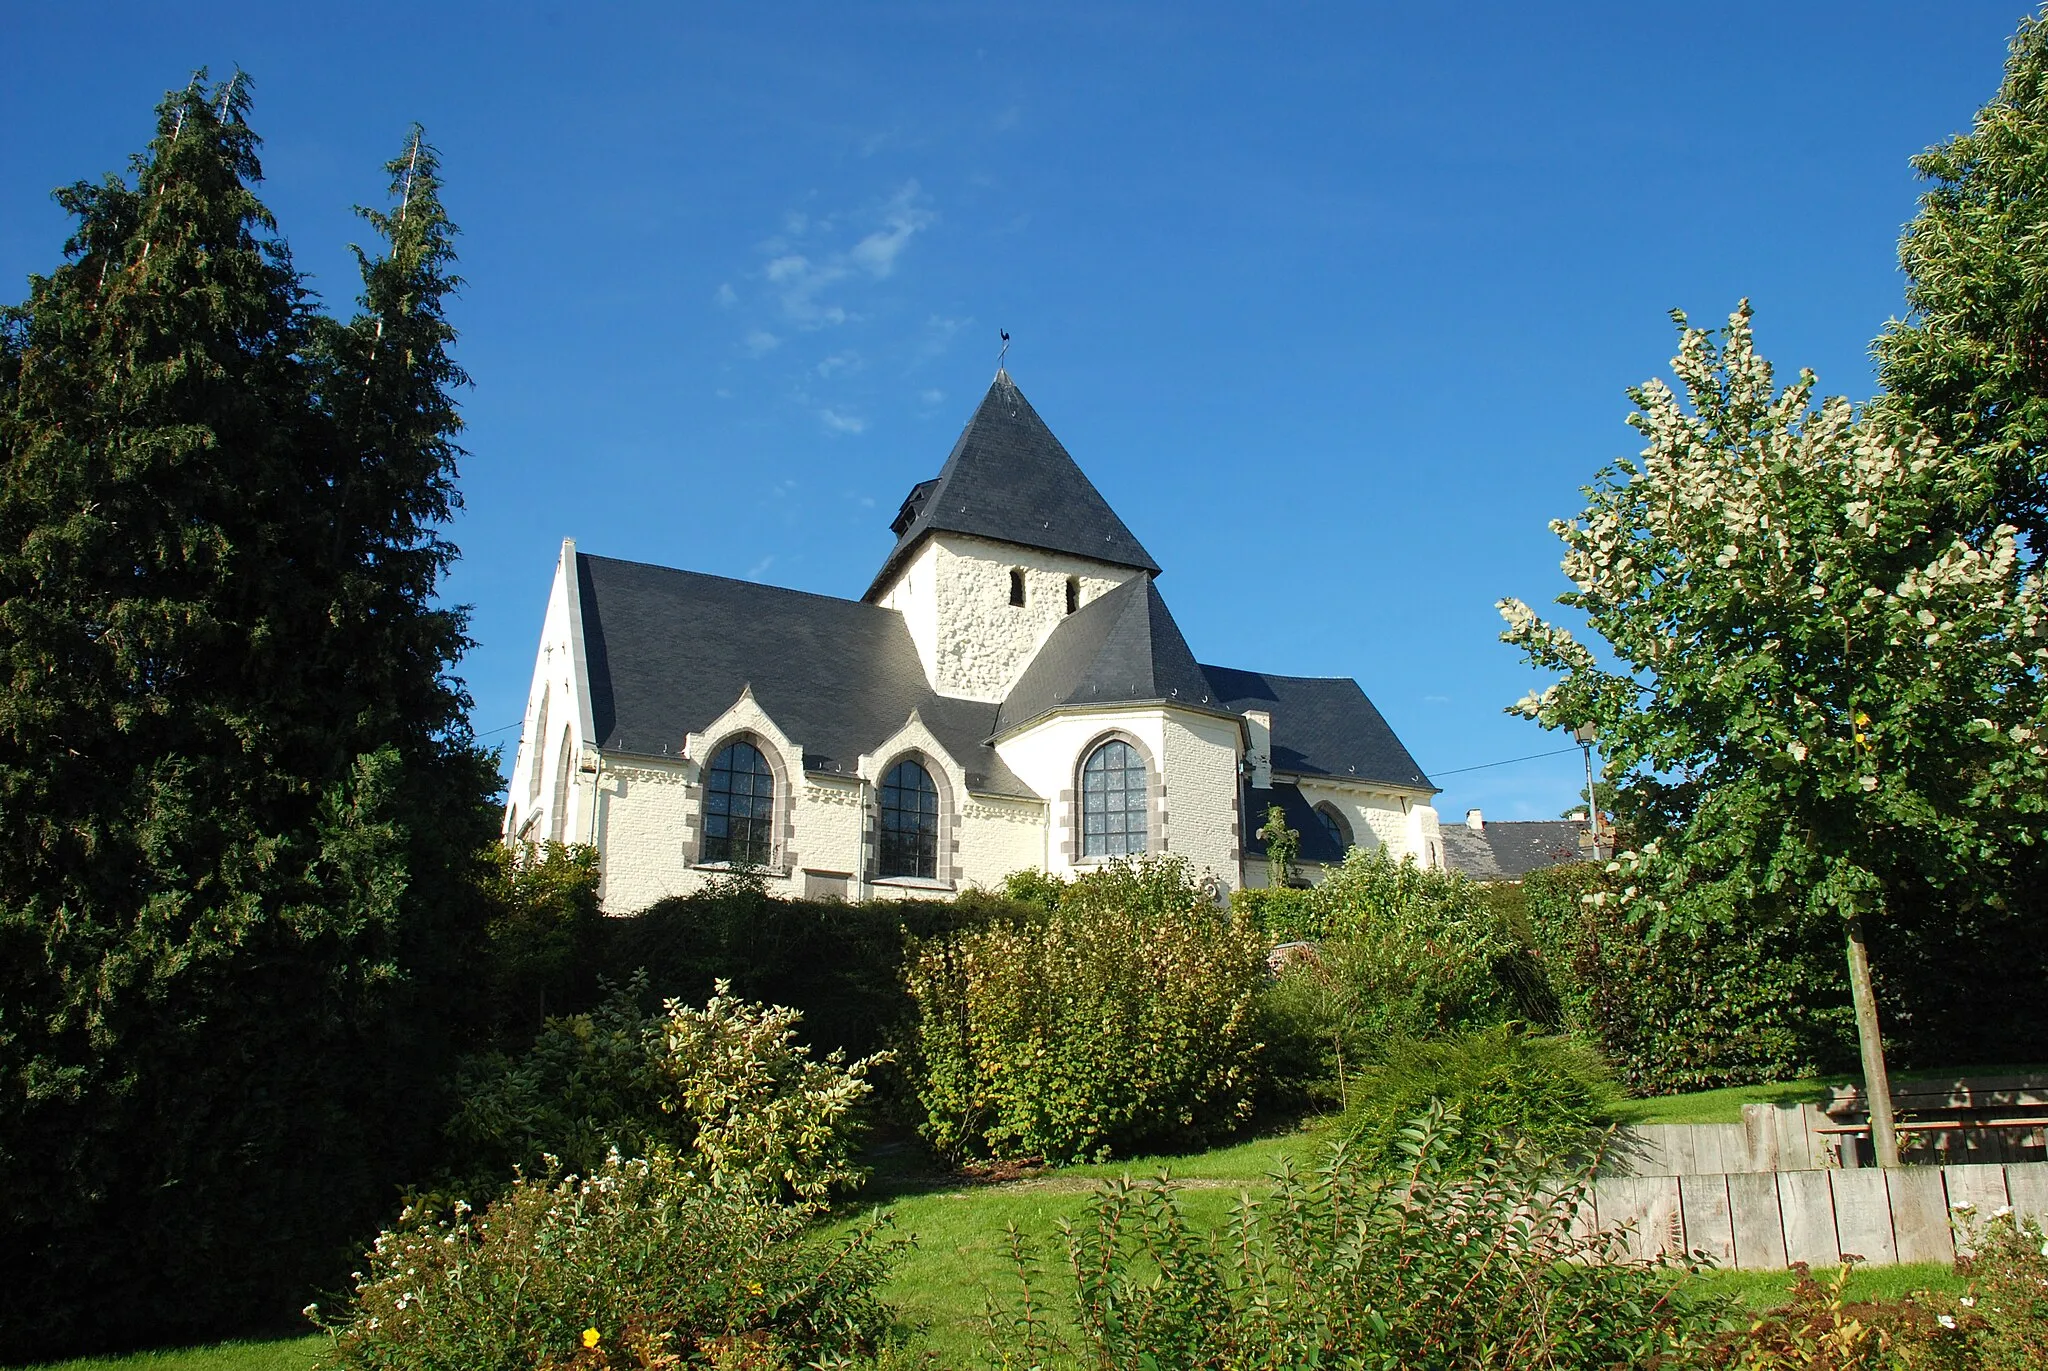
(994, 552)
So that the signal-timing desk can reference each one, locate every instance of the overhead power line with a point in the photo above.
(1459, 771)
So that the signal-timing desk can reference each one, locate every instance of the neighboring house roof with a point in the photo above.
(670, 651)
(1510, 851)
(1122, 647)
(1009, 479)
(1322, 726)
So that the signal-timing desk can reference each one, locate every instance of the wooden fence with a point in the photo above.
(1766, 1220)
(1966, 1120)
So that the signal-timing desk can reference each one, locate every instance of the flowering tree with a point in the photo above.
(1826, 690)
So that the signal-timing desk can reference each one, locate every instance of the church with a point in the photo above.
(1011, 692)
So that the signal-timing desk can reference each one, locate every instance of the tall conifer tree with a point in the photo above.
(239, 798)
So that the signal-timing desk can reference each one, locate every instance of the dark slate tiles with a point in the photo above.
(669, 651)
(1009, 479)
(1322, 726)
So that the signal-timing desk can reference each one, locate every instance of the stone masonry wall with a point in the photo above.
(955, 599)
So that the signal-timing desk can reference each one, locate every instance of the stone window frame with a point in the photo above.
(948, 874)
(537, 758)
(781, 817)
(558, 803)
(1155, 796)
(1328, 813)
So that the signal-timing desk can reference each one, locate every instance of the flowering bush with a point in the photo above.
(642, 1264)
(2006, 1312)
(1125, 1018)
(727, 1087)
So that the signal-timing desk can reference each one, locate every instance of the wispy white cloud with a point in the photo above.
(760, 342)
(903, 216)
(726, 296)
(936, 338)
(758, 569)
(802, 279)
(838, 362)
(930, 398)
(842, 423)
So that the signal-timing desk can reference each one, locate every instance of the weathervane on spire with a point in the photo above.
(1004, 334)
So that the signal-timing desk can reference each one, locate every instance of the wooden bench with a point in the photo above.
(1958, 1119)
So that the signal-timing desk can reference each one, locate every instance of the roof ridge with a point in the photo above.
(735, 581)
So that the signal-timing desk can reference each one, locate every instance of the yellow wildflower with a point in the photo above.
(590, 1337)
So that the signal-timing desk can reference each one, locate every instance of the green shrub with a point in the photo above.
(1125, 1018)
(2006, 1314)
(665, 1269)
(1552, 1095)
(726, 1086)
(1039, 889)
(541, 934)
(1742, 1001)
(1449, 1263)
(839, 964)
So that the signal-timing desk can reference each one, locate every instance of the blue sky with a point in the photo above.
(1336, 303)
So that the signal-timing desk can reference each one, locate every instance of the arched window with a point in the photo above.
(1113, 796)
(537, 759)
(1017, 586)
(909, 840)
(739, 807)
(1073, 593)
(558, 820)
(1334, 825)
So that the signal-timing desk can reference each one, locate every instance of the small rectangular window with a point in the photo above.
(1073, 593)
(1016, 586)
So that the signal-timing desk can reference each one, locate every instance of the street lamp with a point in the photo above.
(1585, 733)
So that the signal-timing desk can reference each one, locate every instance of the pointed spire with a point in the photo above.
(1010, 480)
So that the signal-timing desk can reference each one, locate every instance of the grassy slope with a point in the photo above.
(1725, 1106)
(284, 1354)
(961, 1255)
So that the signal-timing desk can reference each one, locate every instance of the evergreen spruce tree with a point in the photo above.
(1971, 360)
(240, 804)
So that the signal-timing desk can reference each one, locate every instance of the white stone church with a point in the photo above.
(1010, 693)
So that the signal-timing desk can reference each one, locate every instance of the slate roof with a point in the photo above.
(1122, 647)
(1510, 851)
(1009, 479)
(1322, 726)
(669, 651)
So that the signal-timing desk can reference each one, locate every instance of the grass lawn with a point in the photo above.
(962, 1253)
(1725, 1106)
(1761, 1290)
(283, 1354)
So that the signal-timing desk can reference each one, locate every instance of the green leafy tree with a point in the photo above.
(242, 807)
(1971, 360)
(1826, 693)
